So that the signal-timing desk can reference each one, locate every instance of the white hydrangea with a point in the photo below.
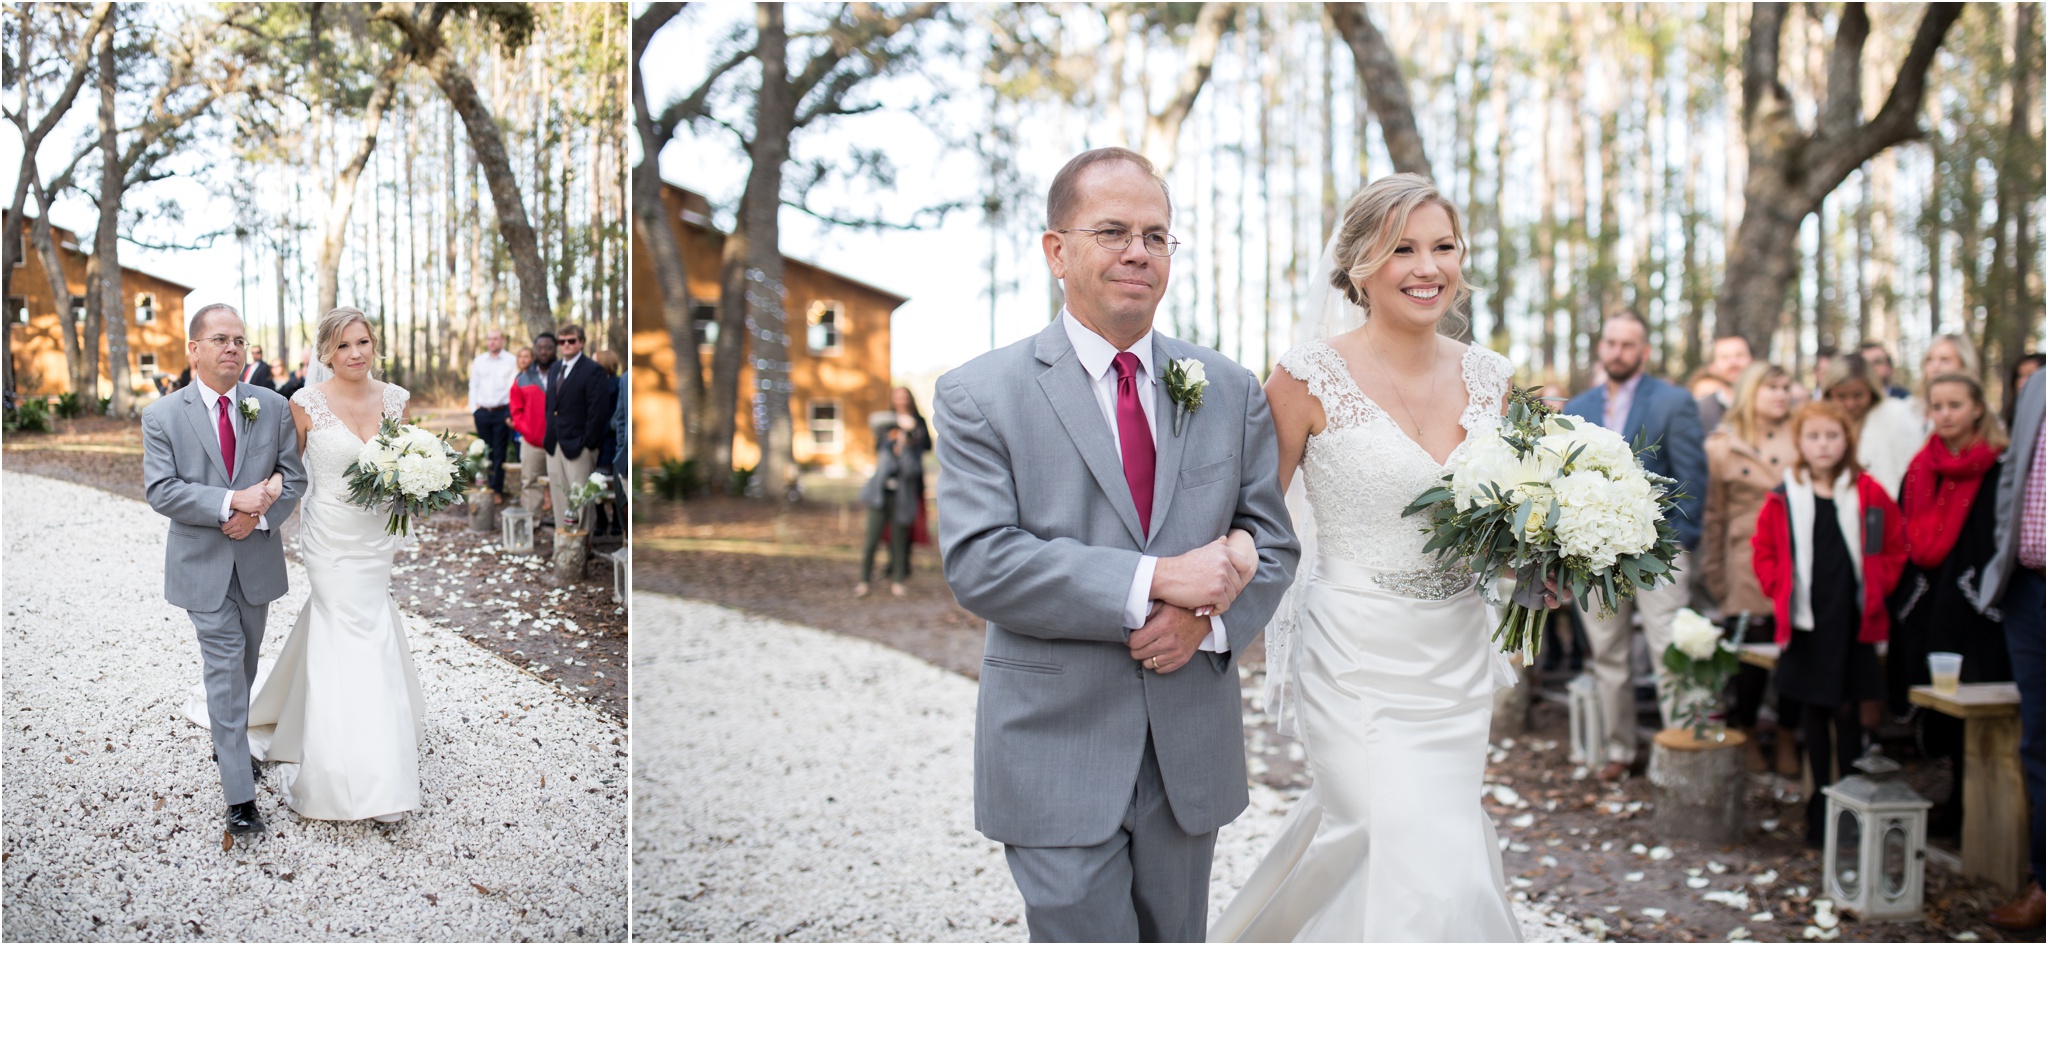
(1694, 635)
(1490, 461)
(375, 456)
(477, 448)
(1604, 450)
(1602, 519)
(412, 437)
(419, 476)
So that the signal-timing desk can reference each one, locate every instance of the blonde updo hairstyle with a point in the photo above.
(1371, 230)
(328, 335)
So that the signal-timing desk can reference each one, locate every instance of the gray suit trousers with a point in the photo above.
(230, 636)
(1149, 883)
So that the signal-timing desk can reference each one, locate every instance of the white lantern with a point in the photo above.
(621, 575)
(516, 530)
(1875, 856)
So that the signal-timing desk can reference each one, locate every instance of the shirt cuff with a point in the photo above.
(227, 506)
(1139, 602)
(1219, 638)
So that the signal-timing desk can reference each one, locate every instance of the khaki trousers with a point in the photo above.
(533, 471)
(1609, 640)
(564, 473)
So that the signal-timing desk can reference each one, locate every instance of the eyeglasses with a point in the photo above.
(1115, 240)
(572, 341)
(223, 341)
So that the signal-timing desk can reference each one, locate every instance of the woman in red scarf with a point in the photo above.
(1947, 501)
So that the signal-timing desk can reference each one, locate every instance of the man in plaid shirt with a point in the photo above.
(2013, 583)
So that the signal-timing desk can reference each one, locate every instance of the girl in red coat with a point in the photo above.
(1828, 548)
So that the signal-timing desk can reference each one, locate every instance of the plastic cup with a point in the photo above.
(1944, 670)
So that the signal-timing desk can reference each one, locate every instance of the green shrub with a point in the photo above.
(676, 480)
(741, 479)
(33, 415)
(106, 406)
(69, 406)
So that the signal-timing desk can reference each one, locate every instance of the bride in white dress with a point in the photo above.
(1380, 658)
(341, 706)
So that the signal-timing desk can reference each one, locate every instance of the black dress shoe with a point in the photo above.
(244, 820)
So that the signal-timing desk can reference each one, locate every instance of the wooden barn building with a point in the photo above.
(155, 312)
(838, 353)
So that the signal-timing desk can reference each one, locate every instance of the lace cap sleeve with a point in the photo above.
(1329, 380)
(1488, 375)
(314, 404)
(395, 399)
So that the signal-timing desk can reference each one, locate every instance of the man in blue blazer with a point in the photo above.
(1642, 407)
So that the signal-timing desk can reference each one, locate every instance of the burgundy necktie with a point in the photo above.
(1135, 436)
(227, 438)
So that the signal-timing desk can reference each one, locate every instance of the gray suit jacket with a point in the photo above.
(2012, 480)
(1040, 537)
(183, 479)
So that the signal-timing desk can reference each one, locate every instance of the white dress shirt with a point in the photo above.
(1097, 356)
(212, 400)
(490, 380)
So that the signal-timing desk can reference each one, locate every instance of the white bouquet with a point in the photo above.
(590, 491)
(409, 469)
(1697, 664)
(1562, 505)
(478, 460)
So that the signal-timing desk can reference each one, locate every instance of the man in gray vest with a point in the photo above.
(1083, 503)
(208, 452)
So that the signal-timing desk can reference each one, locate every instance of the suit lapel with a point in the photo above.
(1166, 474)
(205, 429)
(1065, 384)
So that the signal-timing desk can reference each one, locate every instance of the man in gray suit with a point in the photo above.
(1082, 511)
(2013, 583)
(208, 452)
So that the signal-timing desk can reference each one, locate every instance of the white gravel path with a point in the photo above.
(113, 808)
(793, 784)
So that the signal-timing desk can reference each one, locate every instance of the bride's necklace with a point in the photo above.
(348, 415)
(1434, 367)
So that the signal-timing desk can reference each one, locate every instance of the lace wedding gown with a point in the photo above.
(341, 706)
(1389, 658)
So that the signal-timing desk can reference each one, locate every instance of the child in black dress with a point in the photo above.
(1828, 548)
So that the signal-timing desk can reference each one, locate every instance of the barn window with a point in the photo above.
(17, 311)
(145, 308)
(827, 327)
(828, 432)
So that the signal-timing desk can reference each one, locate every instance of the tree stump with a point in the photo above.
(572, 547)
(483, 510)
(1699, 786)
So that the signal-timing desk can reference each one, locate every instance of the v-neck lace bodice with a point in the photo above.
(330, 446)
(1362, 469)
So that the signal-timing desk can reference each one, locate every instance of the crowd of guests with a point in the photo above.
(566, 411)
(1861, 525)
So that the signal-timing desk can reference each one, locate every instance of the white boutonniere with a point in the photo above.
(251, 409)
(1184, 385)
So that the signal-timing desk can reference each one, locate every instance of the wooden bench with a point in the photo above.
(1759, 654)
(1994, 790)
